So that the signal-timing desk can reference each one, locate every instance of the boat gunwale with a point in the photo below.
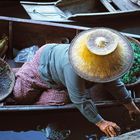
(76, 27)
(115, 13)
(13, 19)
(69, 106)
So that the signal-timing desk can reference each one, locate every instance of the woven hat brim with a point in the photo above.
(84, 73)
(7, 80)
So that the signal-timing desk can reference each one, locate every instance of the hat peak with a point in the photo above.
(101, 42)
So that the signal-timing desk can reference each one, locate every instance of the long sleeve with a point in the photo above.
(118, 90)
(78, 95)
(55, 69)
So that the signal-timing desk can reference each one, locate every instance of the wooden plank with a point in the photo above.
(38, 3)
(52, 24)
(70, 106)
(107, 4)
(11, 108)
(10, 50)
(134, 135)
(45, 12)
(125, 5)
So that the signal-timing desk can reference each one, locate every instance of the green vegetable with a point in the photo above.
(132, 75)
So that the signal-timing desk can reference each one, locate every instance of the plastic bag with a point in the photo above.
(26, 55)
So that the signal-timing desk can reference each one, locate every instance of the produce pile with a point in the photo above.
(134, 73)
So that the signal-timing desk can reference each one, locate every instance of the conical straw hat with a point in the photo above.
(100, 54)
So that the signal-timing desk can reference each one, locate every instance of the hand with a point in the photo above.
(134, 114)
(111, 129)
(133, 110)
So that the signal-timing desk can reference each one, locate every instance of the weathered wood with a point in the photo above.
(134, 135)
(10, 50)
(11, 108)
(38, 3)
(27, 32)
(117, 5)
(125, 5)
(108, 5)
(89, 14)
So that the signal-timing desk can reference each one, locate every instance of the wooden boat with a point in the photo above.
(89, 13)
(24, 33)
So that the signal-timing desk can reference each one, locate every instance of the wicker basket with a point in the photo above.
(7, 79)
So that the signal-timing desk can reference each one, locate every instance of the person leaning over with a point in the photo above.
(96, 56)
